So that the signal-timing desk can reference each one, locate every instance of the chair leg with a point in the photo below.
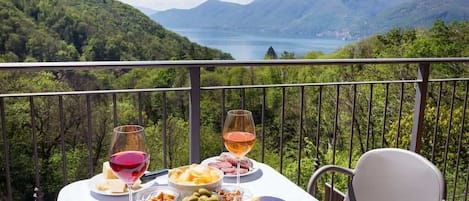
(336, 194)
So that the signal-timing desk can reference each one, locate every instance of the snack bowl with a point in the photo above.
(202, 194)
(233, 193)
(153, 192)
(190, 178)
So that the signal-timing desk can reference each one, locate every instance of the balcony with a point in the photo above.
(300, 126)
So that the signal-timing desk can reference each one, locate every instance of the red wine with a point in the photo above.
(129, 165)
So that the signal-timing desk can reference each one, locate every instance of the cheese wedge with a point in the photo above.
(107, 171)
(137, 184)
(116, 185)
(102, 186)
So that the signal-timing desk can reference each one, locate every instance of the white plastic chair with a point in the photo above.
(389, 174)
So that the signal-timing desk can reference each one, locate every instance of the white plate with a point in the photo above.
(100, 178)
(254, 168)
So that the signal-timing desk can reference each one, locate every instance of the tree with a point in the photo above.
(270, 54)
(287, 55)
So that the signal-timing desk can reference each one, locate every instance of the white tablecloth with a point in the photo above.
(264, 182)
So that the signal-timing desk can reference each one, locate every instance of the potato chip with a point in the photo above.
(194, 174)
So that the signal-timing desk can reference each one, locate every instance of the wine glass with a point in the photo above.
(239, 135)
(129, 157)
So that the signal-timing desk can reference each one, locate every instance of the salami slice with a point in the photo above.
(243, 170)
(229, 170)
(224, 164)
(227, 163)
(246, 163)
(214, 164)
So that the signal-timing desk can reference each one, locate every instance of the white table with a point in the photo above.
(266, 181)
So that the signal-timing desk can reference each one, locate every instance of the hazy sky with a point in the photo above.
(167, 4)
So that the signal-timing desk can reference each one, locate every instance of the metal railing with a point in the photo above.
(311, 122)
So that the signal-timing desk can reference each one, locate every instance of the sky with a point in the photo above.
(168, 4)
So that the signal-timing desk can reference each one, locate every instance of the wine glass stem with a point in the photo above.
(237, 172)
(129, 187)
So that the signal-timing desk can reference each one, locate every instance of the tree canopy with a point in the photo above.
(70, 30)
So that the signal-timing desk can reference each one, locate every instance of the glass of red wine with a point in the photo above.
(129, 157)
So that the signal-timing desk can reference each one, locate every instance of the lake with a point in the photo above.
(244, 46)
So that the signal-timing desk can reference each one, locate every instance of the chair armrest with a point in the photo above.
(334, 168)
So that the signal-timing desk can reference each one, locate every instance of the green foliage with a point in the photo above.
(270, 54)
(313, 55)
(287, 55)
(69, 30)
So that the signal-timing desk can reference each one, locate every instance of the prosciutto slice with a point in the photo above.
(227, 163)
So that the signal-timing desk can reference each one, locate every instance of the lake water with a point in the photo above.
(243, 46)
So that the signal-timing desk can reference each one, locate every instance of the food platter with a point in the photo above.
(252, 169)
(99, 178)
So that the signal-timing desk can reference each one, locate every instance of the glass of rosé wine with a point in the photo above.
(128, 156)
(239, 135)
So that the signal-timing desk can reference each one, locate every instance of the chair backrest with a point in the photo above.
(395, 174)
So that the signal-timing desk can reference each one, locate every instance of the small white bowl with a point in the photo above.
(152, 191)
(187, 189)
(244, 194)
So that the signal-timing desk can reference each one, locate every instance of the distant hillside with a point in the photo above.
(146, 11)
(326, 18)
(423, 13)
(71, 30)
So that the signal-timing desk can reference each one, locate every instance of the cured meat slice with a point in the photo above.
(246, 163)
(229, 170)
(224, 164)
(227, 163)
(214, 164)
(243, 170)
(220, 164)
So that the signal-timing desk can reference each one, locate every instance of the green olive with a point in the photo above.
(213, 198)
(204, 191)
(192, 198)
(203, 199)
(196, 194)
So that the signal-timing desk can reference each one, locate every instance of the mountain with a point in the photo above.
(203, 15)
(327, 18)
(423, 13)
(146, 11)
(71, 30)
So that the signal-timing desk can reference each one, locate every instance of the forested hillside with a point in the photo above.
(88, 30)
(421, 13)
(99, 30)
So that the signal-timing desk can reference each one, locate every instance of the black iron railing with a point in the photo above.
(319, 122)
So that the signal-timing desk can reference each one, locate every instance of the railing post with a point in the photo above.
(419, 107)
(6, 150)
(194, 115)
